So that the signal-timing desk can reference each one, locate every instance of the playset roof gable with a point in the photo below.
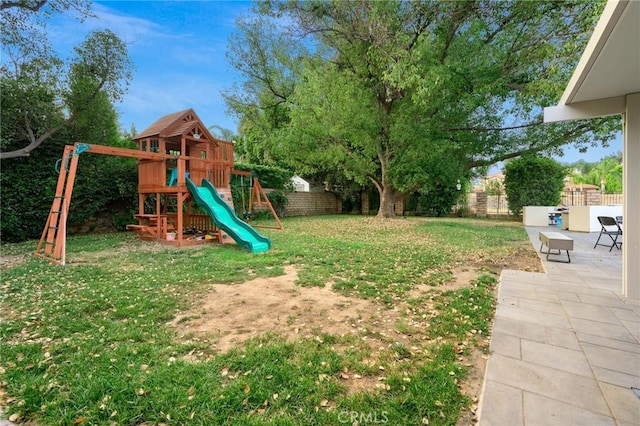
(177, 124)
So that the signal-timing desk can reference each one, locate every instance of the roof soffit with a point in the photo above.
(610, 65)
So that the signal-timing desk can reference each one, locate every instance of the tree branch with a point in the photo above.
(26, 151)
(493, 129)
(6, 4)
(559, 141)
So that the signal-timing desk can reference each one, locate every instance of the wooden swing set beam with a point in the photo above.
(52, 244)
(260, 197)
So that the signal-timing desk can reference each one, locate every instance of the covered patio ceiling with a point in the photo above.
(607, 82)
(608, 70)
(610, 65)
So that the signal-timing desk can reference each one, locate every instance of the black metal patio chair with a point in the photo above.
(610, 227)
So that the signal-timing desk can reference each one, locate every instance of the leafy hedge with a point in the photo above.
(28, 184)
(269, 176)
(28, 187)
(533, 181)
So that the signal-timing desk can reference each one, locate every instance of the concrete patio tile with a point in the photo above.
(506, 285)
(567, 366)
(590, 312)
(568, 360)
(567, 278)
(555, 384)
(624, 404)
(502, 405)
(520, 329)
(567, 295)
(503, 306)
(587, 292)
(611, 284)
(563, 338)
(610, 343)
(545, 296)
(516, 292)
(555, 270)
(539, 294)
(623, 423)
(541, 306)
(627, 314)
(602, 329)
(523, 276)
(553, 288)
(616, 378)
(505, 344)
(633, 327)
(604, 300)
(507, 300)
(528, 315)
(613, 359)
(541, 411)
(596, 274)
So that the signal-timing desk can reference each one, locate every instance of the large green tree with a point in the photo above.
(47, 99)
(47, 94)
(404, 94)
(23, 27)
(103, 184)
(607, 171)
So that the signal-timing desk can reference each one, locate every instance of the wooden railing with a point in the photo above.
(201, 222)
(220, 175)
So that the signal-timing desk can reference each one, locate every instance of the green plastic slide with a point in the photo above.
(226, 219)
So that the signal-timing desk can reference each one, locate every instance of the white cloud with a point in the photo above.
(149, 99)
(178, 50)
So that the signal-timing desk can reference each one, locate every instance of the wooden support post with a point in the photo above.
(180, 216)
(54, 235)
(261, 199)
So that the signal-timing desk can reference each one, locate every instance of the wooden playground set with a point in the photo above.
(184, 189)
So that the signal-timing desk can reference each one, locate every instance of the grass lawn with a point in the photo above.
(389, 321)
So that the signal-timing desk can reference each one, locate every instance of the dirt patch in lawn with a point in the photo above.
(12, 260)
(234, 313)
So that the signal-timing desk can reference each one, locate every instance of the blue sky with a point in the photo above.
(179, 52)
(178, 49)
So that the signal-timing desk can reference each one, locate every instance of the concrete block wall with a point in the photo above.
(593, 198)
(481, 204)
(364, 198)
(312, 203)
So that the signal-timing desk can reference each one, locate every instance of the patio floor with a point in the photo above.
(565, 345)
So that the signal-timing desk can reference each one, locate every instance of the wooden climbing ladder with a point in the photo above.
(53, 240)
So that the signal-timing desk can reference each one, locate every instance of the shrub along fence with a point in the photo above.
(481, 204)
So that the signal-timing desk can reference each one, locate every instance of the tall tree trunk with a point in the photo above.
(387, 196)
(387, 202)
(385, 188)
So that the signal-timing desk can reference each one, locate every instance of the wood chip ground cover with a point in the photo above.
(344, 315)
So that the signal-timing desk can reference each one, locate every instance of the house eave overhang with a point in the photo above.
(609, 68)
